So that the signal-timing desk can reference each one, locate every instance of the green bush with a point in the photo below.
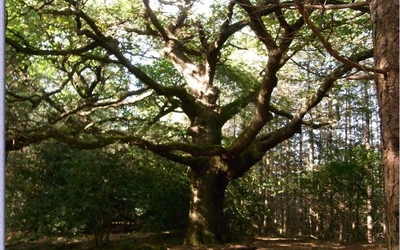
(53, 189)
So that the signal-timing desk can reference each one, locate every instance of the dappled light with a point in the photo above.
(170, 241)
(229, 124)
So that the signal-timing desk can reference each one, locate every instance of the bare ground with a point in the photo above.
(140, 241)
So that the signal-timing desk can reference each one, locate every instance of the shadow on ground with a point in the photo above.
(165, 241)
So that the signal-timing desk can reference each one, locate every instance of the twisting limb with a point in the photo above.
(256, 150)
(325, 6)
(256, 23)
(328, 46)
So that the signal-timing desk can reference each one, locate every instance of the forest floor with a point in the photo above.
(150, 241)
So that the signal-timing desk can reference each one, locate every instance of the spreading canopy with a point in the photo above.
(173, 76)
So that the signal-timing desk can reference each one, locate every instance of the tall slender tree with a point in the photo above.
(385, 16)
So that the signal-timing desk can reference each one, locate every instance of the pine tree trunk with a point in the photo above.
(384, 15)
(286, 195)
(367, 142)
(370, 222)
(206, 220)
(265, 175)
(311, 149)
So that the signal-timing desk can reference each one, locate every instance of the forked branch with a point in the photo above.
(328, 46)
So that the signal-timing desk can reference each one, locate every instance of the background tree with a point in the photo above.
(166, 77)
(386, 40)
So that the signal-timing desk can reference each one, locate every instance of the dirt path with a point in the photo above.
(137, 241)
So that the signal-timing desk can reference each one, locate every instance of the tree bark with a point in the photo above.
(385, 16)
(206, 220)
(265, 172)
(367, 142)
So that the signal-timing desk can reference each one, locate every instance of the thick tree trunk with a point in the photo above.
(208, 181)
(385, 14)
(206, 220)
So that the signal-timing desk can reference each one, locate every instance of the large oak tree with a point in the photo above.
(168, 76)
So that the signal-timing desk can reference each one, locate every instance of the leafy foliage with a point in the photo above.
(55, 189)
